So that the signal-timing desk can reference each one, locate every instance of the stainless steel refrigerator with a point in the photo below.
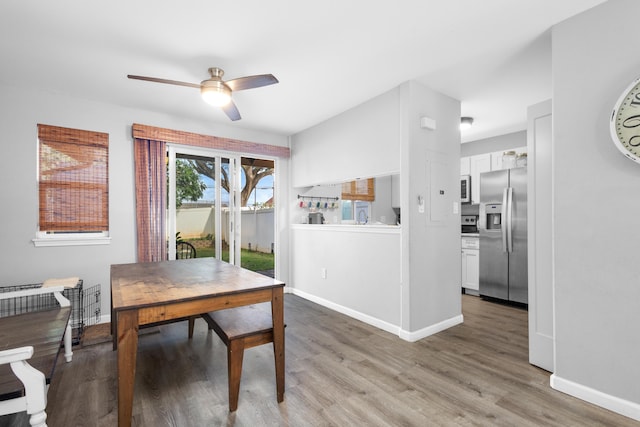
(503, 235)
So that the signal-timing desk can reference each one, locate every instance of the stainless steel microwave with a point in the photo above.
(465, 188)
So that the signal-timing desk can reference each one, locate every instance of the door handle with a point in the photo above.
(509, 219)
(504, 222)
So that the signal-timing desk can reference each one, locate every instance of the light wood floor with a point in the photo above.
(339, 372)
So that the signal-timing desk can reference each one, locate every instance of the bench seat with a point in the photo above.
(240, 328)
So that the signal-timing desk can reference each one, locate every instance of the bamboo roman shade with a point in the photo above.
(361, 189)
(73, 179)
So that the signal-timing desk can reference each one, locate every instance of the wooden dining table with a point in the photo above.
(152, 292)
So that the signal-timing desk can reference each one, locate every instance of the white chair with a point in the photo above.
(34, 400)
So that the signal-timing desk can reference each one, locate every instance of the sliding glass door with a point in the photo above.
(222, 206)
(203, 204)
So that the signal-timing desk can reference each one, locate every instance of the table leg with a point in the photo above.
(127, 351)
(114, 325)
(277, 311)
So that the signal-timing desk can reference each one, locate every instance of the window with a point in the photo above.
(73, 186)
(361, 189)
(356, 200)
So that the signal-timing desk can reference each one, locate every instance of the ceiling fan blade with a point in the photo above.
(251, 82)
(231, 111)
(170, 82)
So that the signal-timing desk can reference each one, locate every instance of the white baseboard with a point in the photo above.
(612, 403)
(370, 320)
(385, 326)
(431, 330)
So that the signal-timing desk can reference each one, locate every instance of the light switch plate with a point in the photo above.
(428, 123)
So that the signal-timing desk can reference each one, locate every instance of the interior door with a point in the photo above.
(540, 214)
(203, 188)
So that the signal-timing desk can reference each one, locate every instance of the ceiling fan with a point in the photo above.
(216, 91)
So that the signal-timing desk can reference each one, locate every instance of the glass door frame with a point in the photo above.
(234, 226)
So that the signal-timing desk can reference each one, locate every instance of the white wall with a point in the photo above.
(194, 223)
(430, 168)
(380, 137)
(360, 143)
(362, 265)
(597, 271)
(257, 226)
(257, 229)
(23, 109)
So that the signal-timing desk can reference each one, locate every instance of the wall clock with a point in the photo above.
(625, 122)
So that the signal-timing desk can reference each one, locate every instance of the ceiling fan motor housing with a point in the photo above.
(216, 72)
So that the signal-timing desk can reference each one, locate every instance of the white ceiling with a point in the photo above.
(493, 55)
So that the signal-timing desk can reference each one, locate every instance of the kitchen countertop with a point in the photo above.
(368, 228)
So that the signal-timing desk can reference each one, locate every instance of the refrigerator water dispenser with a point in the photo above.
(494, 216)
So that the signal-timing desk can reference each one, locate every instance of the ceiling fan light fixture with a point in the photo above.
(465, 122)
(215, 92)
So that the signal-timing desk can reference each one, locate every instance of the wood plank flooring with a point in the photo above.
(339, 372)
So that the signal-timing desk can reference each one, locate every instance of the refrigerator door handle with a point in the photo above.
(504, 224)
(509, 219)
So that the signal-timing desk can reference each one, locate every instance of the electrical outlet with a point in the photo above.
(323, 273)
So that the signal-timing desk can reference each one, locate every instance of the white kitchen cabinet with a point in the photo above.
(470, 263)
(465, 166)
(496, 160)
(471, 269)
(496, 157)
(477, 165)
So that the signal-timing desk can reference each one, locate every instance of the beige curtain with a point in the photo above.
(151, 193)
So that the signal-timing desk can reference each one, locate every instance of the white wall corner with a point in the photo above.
(612, 403)
(430, 330)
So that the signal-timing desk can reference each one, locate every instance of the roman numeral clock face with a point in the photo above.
(625, 122)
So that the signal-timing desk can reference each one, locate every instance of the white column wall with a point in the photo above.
(597, 273)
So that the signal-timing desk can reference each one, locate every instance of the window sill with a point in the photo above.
(71, 241)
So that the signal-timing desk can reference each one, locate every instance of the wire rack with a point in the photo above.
(85, 305)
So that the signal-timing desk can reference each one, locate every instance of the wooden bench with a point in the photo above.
(240, 328)
(29, 348)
